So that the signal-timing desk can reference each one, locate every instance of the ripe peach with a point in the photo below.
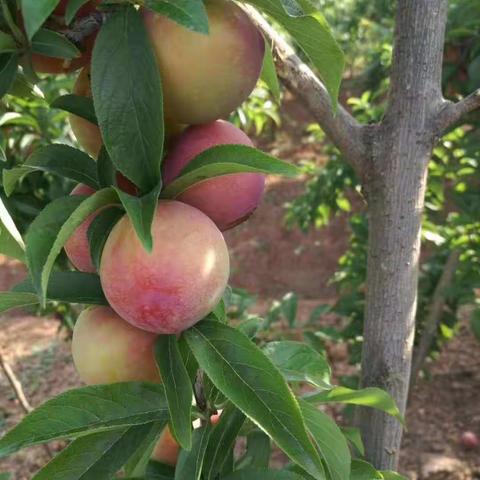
(77, 247)
(106, 349)
(167, 449)
(88, 134)
(45, 64)
(229, 199)
(206, 77)
(179, 282)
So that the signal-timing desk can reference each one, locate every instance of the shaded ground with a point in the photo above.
(270, 261)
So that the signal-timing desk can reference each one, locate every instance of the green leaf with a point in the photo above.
(59, 159)
(178, 388)
(190, 463)
(100, 229)
(127, 94)
(5, 476)
(220, 312)
(293, 8)
(77, 105)
(242, 372)
(475, 324)
(314, 36)
(269, 73)
(7, 44)
(73, 6)
(11, 242)
(35, 13)
(364, 471)
(222, 439)
(389, 475)
(367, 397)
(141, 211)
(53, 227)
(330, 441)
(263, 475)
(258, 451)
(354, 436)
(53, 44)
(224, 160)
(189, 13)
(159, 471)
(9, 300)
(138, 462)
(8, 71)
(289, 308)
(189, 360)
(71, 287)
(299, 363)
(95, 457)
(106, 170)
(88, 410)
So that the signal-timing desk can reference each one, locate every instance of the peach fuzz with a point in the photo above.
(106, 349)
(179, 282)
(228, 199)
(206, 77)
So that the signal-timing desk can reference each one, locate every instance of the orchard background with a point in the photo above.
(298, 264)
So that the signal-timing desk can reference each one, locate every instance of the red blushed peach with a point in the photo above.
(77, 246)
(87, 134)
(206, 77)
(106, 349)
(227, 200)
(179, 282)
(167, 449)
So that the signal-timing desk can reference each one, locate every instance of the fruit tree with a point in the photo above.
(160, 174)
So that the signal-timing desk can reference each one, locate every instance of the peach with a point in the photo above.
(45, 64)
(87, 134)
(77, 246)
(106, 349)
(229, 199)
(179, 282)
(205, 77)
(167, 449)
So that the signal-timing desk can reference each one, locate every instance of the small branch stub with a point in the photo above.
(453, 112)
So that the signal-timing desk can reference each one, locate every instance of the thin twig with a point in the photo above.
(19, 392)
(15, 384)
(435, 314)
(344, 131)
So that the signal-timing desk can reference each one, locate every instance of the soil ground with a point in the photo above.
(269, 260)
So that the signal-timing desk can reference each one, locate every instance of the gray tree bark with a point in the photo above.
(391, 159)
(395, 189)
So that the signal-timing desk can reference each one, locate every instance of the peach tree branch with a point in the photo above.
(342, 129)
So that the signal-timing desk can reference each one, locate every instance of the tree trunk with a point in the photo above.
(400, 149)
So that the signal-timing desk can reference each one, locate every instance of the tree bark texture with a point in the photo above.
(395, 188)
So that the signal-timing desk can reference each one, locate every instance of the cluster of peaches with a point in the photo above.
(204, 78)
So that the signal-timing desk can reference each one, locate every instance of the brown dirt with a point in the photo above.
(270, 261)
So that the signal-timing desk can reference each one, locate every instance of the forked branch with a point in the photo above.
(453, 112)
(342, 129)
